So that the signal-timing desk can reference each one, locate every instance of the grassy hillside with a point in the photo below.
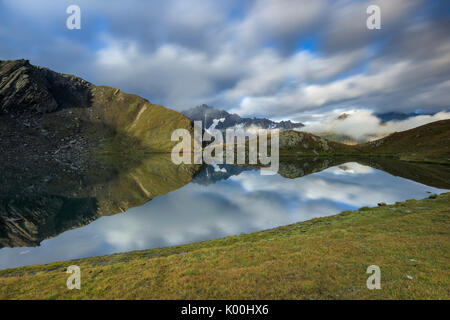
(341, 138)
(303, 144)
(133, 117)
(50, 109)
(428, 143)
(117, 122)
(424, 143)
(324, 258)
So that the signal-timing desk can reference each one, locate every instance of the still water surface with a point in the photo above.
(219, 203)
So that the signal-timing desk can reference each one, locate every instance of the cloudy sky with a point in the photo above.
(282, 59)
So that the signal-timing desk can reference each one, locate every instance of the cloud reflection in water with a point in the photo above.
(243, 203)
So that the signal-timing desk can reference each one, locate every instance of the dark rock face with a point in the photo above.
(27, 88)
(27, 220)
(223, 120)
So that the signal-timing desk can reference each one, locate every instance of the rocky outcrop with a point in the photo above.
(427, 143)
(30, 89)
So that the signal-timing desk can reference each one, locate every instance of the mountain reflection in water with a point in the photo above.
(49, 224)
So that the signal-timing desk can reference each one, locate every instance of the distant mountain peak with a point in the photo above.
(343, 116)
(221, 119)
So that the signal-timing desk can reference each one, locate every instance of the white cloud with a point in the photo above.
(178, 75)
(268, 72)
(382, 81)
(249, 202)
(364, 125)
(278, 19)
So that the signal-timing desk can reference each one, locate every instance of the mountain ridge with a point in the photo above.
(58, 113)
(221, 119)
(66, 116)
(423, 143)
(426, 143)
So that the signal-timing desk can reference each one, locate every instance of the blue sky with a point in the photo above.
(282, 59)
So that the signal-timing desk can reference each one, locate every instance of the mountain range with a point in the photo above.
(67, 120)
(213, 118)
(71, 151)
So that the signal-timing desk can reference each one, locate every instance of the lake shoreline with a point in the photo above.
(322, 258)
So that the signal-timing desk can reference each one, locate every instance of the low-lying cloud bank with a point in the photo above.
(363, 125)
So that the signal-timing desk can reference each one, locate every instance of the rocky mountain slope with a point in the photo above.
(427, 143)
(58, 113)
(221, 119)
(71, 152)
